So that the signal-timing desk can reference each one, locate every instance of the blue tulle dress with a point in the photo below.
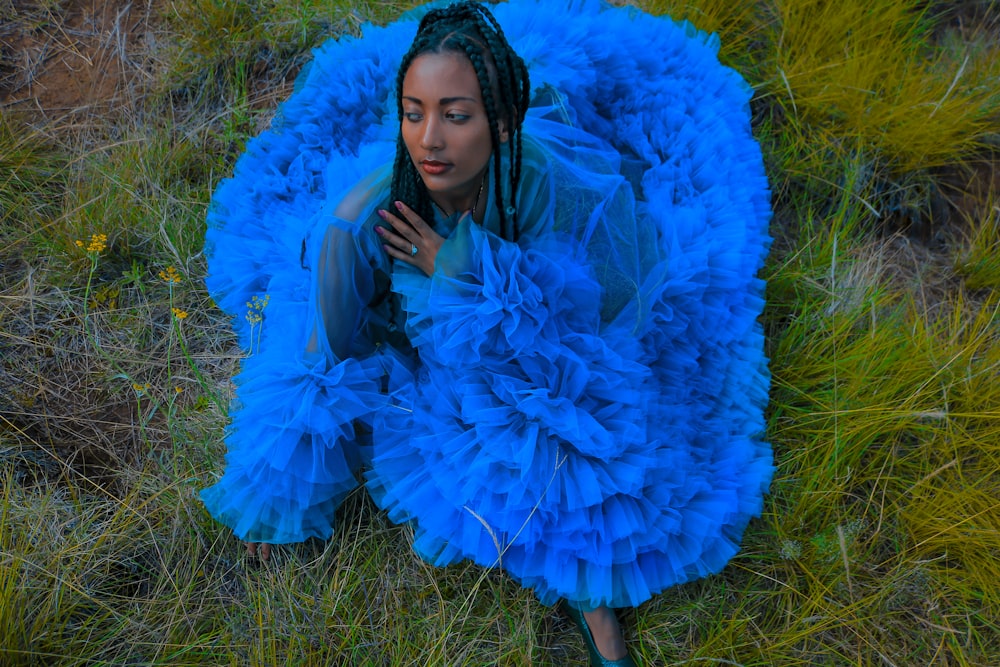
(582, 406)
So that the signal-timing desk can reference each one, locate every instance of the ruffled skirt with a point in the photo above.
(597, 433)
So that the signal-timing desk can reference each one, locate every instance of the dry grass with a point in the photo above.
(879, 543)
(866, 73)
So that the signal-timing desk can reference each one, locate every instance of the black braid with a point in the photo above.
(469, 28)
(476, 57)
(406, 183)
(518, 81)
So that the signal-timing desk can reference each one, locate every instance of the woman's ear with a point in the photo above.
(502, 127)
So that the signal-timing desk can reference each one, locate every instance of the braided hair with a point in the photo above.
(469, 29)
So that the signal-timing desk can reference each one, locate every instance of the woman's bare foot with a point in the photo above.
(607, 633)
(265, 550)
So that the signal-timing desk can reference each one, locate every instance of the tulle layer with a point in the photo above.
(600, 454)
(587, 408)
(292, 446)
(292, 455)
(539, 439)
(337, 128)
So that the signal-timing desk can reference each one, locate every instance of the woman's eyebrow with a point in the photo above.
(443, 100)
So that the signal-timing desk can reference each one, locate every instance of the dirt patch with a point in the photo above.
(69, 56)
(975, 186)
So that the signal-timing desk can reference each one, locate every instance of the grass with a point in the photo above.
(30, 170)
(879, 543)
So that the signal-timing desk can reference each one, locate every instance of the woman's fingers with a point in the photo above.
(409, 238)
(407, 251)
(416, 222)
(400, 234)
(396, 244)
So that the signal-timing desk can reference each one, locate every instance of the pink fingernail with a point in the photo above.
(379, 230)
(399, 205)
(382, 213)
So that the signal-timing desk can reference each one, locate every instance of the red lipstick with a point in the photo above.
(434, 167)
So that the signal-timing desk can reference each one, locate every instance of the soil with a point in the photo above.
(63, 57)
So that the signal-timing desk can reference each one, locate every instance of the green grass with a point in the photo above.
(979, 264)
(880, 541)
(31, 167)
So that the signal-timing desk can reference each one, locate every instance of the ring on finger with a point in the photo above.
(413, 249)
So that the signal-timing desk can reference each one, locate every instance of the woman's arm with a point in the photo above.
(293, 453)
(342, 282)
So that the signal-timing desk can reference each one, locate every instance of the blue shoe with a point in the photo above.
(596, 659)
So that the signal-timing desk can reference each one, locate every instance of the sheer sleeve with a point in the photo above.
(343, 282)
(293, 449)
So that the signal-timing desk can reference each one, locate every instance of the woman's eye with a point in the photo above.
(457, 117)
(412, 116)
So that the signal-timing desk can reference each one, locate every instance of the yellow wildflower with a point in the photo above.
(178, 313)
(170, 275)
(97, 244)
(255, 309)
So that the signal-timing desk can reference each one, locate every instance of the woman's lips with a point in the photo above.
(433, 167)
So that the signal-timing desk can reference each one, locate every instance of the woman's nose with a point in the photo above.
(431, 138)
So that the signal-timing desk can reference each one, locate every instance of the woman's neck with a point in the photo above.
(475, 201)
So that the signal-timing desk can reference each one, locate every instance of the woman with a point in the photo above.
(543, 311)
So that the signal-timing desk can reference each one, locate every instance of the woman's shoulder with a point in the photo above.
(359, 203)
(345, 219)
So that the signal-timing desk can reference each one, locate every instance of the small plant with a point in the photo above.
(93, 249)
(255, 316)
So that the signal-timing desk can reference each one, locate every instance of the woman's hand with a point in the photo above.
(410, 239)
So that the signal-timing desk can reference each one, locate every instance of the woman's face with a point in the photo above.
(446, 129)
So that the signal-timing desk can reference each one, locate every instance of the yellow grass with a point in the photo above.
(868, 73)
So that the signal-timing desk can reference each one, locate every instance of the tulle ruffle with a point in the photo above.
(292, 455)
(547, 448)
(292, 447)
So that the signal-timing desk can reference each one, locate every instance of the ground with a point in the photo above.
(71, 56)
